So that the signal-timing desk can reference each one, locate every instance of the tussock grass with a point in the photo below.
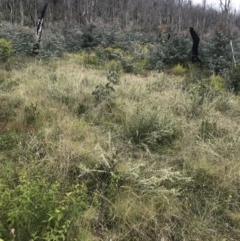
(158, 159)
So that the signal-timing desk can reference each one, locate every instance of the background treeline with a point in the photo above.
(149, 35)
(175, 15)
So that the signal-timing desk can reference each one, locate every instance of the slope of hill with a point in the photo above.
(89, 154)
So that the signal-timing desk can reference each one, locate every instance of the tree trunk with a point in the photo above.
(21, 11)
(36, 46)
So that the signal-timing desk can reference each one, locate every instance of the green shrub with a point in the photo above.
(89, 58)
(113, 65)
(72, 38)
(141, 63)
(51, 46)
(113, 77)
(39, 209)
(178, 69)
(218, 82)
(5, 50)
(156, 57)
(219, 57)
(144, 126)
(176, 50)
(21, 38)
(103, 92)
(198, 94)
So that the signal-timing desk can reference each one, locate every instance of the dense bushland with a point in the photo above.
(128, 50)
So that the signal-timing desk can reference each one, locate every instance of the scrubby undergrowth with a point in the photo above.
(90, 155)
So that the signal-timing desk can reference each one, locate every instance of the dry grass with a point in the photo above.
(177, 180)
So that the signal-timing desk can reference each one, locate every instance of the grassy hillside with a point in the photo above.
(87, 154)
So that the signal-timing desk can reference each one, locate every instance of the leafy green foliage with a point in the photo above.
(102, 92)
(38, 209)
(5, 50)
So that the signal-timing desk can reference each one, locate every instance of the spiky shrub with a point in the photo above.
(217, 52)
(52, 45)
(72, 38)
(150, 127)
(178, 69)
(173, 51)
(148, 202)
(176, 50)
(156, 56)
(91, 37)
